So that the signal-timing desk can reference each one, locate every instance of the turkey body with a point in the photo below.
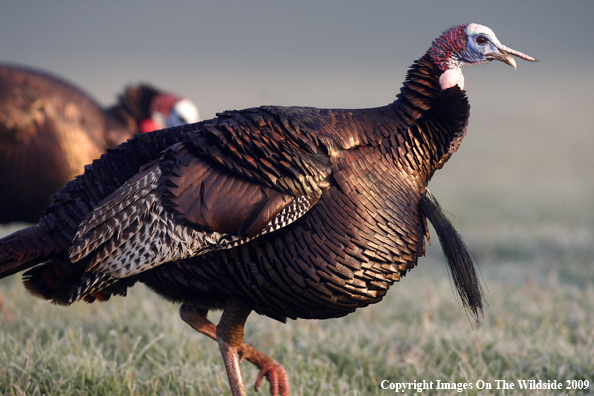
(363, 233)
(361, 229)
(291, 212)
(49, 130)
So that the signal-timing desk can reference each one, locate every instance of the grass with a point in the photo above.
(537, 327)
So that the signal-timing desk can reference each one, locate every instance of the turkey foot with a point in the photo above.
(273, 371)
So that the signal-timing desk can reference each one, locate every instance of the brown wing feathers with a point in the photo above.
(260, 146)
(182, 206)
(152, 205)
(207, 197)
(114, 216)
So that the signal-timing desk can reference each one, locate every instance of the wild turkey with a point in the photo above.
(49, 130)
(291, 212)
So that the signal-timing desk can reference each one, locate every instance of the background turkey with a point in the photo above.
(49, 130)
(291, 212)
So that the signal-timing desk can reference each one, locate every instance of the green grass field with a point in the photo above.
(139, 346)
(538, 326)
(525, 211)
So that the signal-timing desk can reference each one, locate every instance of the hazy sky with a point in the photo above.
(238, 54)
(233, 54)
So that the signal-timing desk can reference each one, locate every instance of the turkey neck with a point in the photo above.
(123, 119)
(422, 128)
(121, 125)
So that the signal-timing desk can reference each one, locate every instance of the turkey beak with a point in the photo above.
(505, 55)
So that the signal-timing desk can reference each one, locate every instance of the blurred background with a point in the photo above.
(520, 187)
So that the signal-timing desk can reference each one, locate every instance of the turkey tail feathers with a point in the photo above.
(458, 257)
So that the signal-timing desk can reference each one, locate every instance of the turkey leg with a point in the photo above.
(269, 368)
(4, 308)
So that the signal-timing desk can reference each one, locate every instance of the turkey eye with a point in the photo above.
(481, 40)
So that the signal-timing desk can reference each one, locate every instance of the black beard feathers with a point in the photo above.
(458, 257)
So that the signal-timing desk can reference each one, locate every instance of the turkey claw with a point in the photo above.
(277, 376)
